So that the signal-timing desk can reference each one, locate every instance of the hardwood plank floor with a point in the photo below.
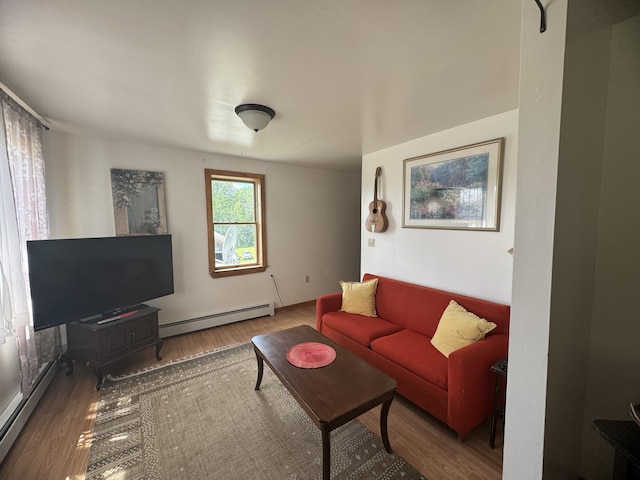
(56, 440)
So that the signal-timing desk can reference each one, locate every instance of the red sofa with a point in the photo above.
(458, 390)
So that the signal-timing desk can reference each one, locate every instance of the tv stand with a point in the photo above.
(100, 344)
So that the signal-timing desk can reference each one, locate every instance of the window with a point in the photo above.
(235, 223)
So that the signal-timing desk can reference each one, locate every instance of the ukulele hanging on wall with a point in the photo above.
(376, 221)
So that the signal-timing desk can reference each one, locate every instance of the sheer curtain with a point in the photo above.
(23, 217)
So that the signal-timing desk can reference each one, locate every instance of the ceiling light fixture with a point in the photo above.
(255, 116)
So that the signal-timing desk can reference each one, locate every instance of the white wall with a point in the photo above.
(614, 358)
(586, 65)
(541, 74)
(474, 263)
(573, 353)
(312, 220)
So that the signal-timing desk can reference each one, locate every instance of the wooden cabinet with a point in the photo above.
(99, 344)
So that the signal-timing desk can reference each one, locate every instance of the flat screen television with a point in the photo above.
(82, 278)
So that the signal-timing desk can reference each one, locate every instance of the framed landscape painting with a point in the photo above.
(454, 189)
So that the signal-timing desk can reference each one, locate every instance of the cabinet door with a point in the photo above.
(144, 330)
(114, 341)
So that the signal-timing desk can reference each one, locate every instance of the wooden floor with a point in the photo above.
(56, 440)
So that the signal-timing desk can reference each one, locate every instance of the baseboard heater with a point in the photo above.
(10, 431)
(215, 319)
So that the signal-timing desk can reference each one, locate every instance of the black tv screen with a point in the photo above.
(79, 278)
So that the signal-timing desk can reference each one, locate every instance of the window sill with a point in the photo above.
(229, 272)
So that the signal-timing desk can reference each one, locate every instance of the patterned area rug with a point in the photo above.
(202, 419)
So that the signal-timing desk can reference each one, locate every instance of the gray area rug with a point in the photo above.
(202, 419)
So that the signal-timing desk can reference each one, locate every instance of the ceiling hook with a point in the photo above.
(543, 20)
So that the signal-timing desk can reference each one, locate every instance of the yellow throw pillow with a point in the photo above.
(359, 297)
(458, 328)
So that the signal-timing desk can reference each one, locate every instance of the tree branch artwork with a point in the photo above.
(138, 202)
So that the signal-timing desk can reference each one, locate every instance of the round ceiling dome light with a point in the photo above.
(255, 116)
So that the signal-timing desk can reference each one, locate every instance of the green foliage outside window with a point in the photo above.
(236, 226)
(233, 202)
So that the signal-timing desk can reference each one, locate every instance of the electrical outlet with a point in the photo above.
(306, 279)
(371, 242)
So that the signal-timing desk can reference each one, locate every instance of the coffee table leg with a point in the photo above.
(383, 424)
(260, 370)
(326, 452)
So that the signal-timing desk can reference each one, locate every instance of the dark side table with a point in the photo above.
(500, 369)
(624, 435)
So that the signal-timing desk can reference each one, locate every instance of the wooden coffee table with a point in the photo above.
(331, 395)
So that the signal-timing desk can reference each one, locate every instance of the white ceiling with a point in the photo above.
(345, 77)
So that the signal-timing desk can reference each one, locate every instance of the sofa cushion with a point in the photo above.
(360, 328)
(458, 328)
(415, 353)
(419, 308)
(359, 297)
(408, 305)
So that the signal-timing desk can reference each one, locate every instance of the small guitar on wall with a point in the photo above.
(376, 220)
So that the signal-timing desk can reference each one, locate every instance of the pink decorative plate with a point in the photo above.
(311, 355)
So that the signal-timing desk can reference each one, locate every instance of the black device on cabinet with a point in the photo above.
(96, 278)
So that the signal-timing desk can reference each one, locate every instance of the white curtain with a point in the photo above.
(10, 256)
(23, 217)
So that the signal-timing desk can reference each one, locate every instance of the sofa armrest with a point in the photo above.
(472, 383)
(327, 303)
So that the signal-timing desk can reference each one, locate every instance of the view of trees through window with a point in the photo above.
(234, 216)
(235, 206)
